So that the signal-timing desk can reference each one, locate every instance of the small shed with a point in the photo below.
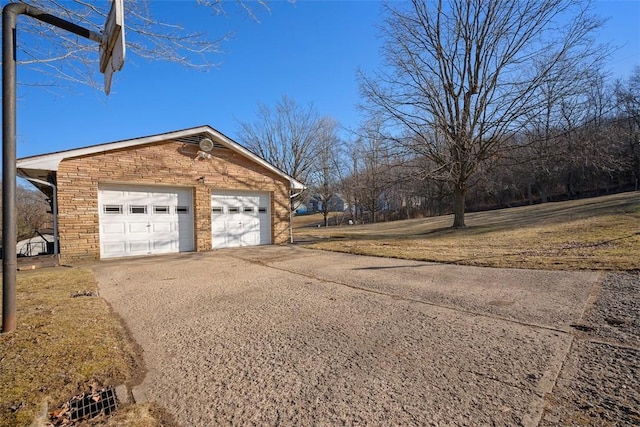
(40, 244)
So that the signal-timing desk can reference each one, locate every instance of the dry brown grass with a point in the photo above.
(601, 233)
(61, 345)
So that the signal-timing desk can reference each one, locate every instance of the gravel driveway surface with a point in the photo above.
(282, 335)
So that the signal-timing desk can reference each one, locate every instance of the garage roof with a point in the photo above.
(40, 167)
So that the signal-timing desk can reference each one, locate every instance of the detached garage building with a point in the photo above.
(189, 190)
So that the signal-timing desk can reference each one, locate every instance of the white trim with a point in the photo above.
(51, 161)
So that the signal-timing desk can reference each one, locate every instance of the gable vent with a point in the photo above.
(195, 140)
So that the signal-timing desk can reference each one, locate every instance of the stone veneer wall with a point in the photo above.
(164, 164)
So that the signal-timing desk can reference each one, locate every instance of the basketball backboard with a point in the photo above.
(112, 48)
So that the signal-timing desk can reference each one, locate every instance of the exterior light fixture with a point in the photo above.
(206, 144)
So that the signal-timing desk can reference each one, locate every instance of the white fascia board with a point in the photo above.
(46, 162)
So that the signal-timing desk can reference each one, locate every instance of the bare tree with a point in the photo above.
(627, 95)
(327, 167)
(589, 153)
(349, 179)
(555, 142)
(285, 135)
(58, 54)
(462, 75)
(32, 212)
(373, 162)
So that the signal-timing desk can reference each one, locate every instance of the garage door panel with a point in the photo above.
(183, 231)
(111, 195)
(161, 227)
(136, 198)
(144, 220)
(113, 248)
(185, 245)
(139, 246)
(137, 228)
(168, 197)
(163, 245)
(117, 228)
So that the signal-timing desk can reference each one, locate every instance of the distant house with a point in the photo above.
(188, 190)
(336, 203)
(302, 209)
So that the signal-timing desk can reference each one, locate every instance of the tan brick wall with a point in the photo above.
(166, 164)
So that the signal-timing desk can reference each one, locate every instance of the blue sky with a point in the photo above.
(309, 51)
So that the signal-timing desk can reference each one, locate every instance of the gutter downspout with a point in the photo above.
(291, 196)
(54, 209)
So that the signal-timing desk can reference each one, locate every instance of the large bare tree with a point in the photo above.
(286, 135)
(461, 75)
(59, 55)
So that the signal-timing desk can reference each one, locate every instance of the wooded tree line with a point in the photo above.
(587, 143)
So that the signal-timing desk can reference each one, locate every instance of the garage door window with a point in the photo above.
(234, 210)
(112, 209)
(182, 210)
(262, 210)
(138, 209)
(248, 210)
(217, 210)
(161, 210)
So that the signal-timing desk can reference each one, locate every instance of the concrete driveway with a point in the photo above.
(282, 335)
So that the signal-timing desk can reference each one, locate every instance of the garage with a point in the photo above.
(186, 190)
(144, 220)
(240, 219)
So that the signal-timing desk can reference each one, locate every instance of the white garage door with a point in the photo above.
(144, 220)
(240, 219)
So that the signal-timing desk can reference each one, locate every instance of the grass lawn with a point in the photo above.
(600, 233)
(61, 345)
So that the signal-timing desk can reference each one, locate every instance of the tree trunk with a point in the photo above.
(459, 194)
(569, 186)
